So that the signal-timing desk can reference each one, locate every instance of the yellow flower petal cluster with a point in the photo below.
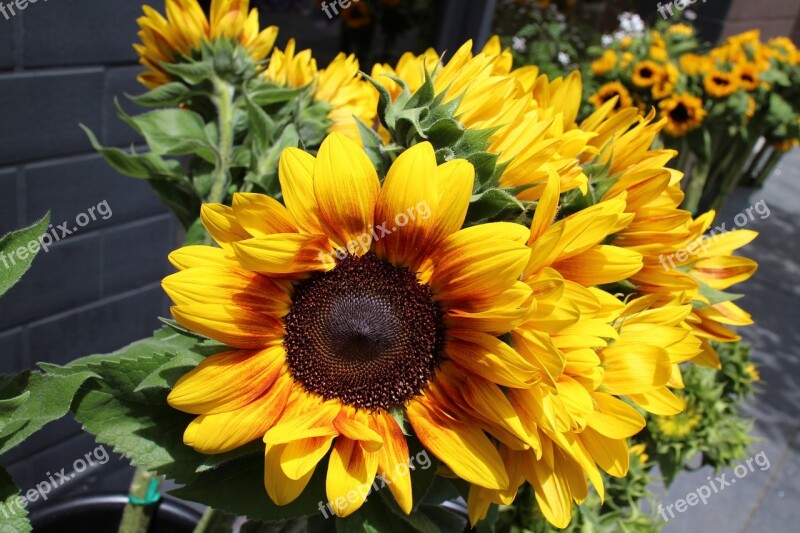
(339, 84)
(186, 26)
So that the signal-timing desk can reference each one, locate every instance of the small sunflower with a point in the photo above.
(604, 63)
(747, 76)
(333, 330)
(693, 64)
(684, 112)
(611, 90)
(678, 426)
(752, 372)
(340, 85)
(186, 26)
(680, 29)
(720, 84)
(646, 73)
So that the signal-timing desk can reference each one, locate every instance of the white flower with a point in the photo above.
(631, 24)
(564, 58)
(518, 43)
(606, 40)
(690, 15)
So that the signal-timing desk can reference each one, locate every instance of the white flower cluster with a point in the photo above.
(630, 25)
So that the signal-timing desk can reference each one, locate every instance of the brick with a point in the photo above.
(69, 188)
(49, 436)
(71, 456)
(769, 27)
(136, 254)
(12, 356)
(80, 32)
(6, 42)
(45, 110)
(65, 277)
(99, 328)
(747, 9)
(8, 192)
(119, 82)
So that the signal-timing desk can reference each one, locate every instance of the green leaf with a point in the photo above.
(171, 371)
(494, 204)
(140, 425)
(47, 397)
(170, 131)
(715, 296)
(17, 251)
(238, 487)
(267, 95)
(170, 94)
(14, 517)
(192, 73)
(144, 166)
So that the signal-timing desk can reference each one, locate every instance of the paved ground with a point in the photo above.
(769, 500)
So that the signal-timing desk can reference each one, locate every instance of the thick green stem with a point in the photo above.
(136, 517)
(215, 521)
(773, 160)
(223, 98)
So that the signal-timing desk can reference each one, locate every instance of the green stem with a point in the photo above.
(136, 518)
(223, 98)
(215, 521)
(735, 171)
(774, 158)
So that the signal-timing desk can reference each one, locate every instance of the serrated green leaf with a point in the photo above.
(17, 252)
(141, 426)
(165, 376)
(49, 397)
(170, 94)
(14, 517)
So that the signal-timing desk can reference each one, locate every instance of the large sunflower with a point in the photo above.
(186, 26)
(353, 302)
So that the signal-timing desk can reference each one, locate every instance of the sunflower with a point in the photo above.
(680, 29)
(694, 64)
(186, 26)
(337, 319)
(646, 73)
(604, 63)
(340, 85)
(747, 76)
(720, 84)
(683, 112)
(679, 426)
(611, 90)
(575, 332)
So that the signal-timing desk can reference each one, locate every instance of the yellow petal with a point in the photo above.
(285, 253)
(262, 215)
(223, 432)
(406, 205)
(614, 418)
(227, 381)
(230, 324)
(346, 188)
(465, 449)
(351, 472)
(295, 171)
(281, 489)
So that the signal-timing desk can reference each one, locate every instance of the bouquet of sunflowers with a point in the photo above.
(399, 291)
(731, 111)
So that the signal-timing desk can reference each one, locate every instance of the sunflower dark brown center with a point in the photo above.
(367, 333)
(680, 113)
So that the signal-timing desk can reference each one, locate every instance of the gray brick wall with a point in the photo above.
(63, 63)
